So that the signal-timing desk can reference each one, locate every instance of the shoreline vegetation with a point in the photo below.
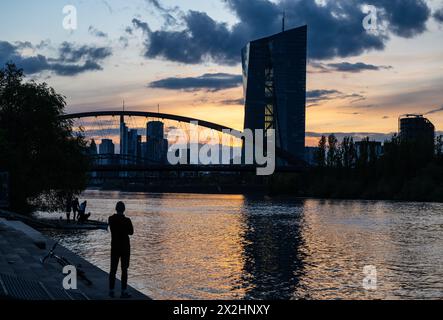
(409, 170)
(45, 160)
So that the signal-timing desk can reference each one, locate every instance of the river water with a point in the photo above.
(197, 246)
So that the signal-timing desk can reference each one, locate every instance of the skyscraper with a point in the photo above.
(156, 144)
(274, 82)
(415, 127)
(106, 147)
(123, 136)
(418, 132)
(134, 143)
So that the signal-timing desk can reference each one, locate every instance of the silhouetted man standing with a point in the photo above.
(75, 207)
(121, 228)
(68, 209)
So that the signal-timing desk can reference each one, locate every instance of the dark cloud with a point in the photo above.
(405, 18)
(204, 38)
(435, 110)
(316, 97)
(320, 95)
(233, 102)
(355, 97)
(351, 113)
(74, 69)
(128, 30)
(97, 33)
(208, 81)
(167, 13)
(71, 60)
(335, 28)
(348, 67)
(69, 52)
(438, 15)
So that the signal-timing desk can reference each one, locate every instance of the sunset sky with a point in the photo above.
(185, 56)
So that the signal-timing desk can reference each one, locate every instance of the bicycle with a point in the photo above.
(65, 262)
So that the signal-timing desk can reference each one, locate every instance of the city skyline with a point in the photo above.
(355, 83)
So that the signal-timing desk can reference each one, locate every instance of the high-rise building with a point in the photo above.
(155, 130)
(156, 144)
(123, 136)
(415, 127)
(274, 81)
(130, 142)
(134, 143)
(107, 147)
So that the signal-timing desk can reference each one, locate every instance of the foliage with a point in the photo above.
(320, 154)
(407, 170)
(46, 161)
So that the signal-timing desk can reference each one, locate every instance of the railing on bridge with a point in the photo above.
(121, 159)
(127, 163)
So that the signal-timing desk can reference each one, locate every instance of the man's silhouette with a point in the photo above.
(75, 206)
(121, 228)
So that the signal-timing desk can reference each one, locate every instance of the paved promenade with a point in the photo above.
(23, 276)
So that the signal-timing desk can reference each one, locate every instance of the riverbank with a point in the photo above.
(182, 187)
(341, 184)
(24, 277)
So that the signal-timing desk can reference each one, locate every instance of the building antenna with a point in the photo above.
(122, 117)
(158, 108)
(283, 22)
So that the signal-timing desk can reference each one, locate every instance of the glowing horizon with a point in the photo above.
(355, 83)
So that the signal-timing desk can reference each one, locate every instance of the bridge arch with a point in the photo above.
(147, 114)
(280, 152)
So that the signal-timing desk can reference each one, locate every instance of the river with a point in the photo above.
(197, 246)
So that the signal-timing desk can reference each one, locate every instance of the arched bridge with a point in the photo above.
(146, 114)
(294, 162)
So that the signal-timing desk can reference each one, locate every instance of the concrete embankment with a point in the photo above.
(24, 276)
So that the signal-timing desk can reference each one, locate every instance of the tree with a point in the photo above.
(45, 160)
(348, 152)
(364, 153)
(320, 153)
(333, 158)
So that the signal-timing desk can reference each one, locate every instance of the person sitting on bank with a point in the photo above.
(121, 228)
(82, 216)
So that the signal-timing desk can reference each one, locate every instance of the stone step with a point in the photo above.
(37, 238)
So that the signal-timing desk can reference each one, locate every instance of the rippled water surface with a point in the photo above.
(194, 246)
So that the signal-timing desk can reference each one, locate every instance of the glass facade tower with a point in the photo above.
(274, 83)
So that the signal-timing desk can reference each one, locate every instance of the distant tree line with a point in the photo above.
(332, 154)
(405, 170)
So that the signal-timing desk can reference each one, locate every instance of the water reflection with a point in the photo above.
(190, 246)
(272, 259)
